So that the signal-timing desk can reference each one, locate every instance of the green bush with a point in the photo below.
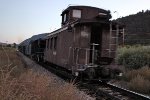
(134, 57)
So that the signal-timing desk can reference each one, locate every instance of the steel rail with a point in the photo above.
(98, 88)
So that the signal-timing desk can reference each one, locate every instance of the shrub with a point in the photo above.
(140, 84)
(138, 80)
(134, 57)
(35, 86)
(130, 75)
(17, 83)
(144, 72)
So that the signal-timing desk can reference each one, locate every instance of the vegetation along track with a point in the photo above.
(110, 92)
(97, 88)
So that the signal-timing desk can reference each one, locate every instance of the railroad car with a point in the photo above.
(23, 47)
(34, 46)
(86, 43)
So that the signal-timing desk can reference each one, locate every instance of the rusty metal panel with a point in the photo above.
(60, 55)
(82, 40)
(105, 43)
(66, 52)
(87, 13)
(85, 36)
(65, 42)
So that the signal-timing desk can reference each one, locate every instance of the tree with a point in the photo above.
(14, 45)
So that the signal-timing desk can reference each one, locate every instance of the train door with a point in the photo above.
(95, 41)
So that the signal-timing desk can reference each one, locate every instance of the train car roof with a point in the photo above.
(81, 6)
(39, 36)
(25, 42)
(33, 38)
(79, 22)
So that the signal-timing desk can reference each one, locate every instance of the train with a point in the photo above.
(86, 44)
(34, 47)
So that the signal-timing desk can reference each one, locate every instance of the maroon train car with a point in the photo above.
(86, 42)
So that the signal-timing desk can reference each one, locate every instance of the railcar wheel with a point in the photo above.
(91, 73)
(105, 72)
(112, 75)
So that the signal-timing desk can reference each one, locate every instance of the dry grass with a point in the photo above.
(140, 84)
(144, 72)
(133, 58)
(9, 59)
(19, 83)
(139, 80)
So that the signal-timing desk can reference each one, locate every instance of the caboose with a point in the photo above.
(86, 43)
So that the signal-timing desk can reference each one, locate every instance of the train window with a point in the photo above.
(65, 17)
(51, 43)
(76, 13)
(47, 44)
(55, 43)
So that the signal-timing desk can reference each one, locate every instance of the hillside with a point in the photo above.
(137, 27)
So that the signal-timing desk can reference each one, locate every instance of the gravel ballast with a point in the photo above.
(31, 65)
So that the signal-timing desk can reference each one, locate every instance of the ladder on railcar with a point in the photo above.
(115, 30)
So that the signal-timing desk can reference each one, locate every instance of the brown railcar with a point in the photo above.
(86, 41)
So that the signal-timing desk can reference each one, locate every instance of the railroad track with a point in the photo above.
(97, 88)
(106, 91)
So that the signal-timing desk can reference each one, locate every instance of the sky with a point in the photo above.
(21, 19)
